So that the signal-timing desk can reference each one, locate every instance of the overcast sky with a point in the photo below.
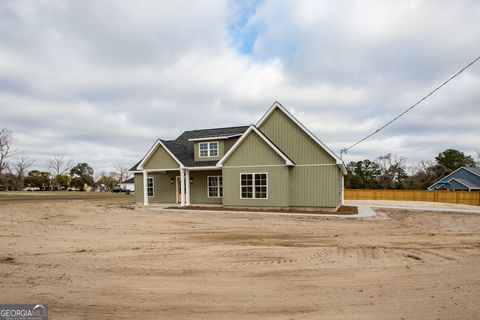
(100, 80)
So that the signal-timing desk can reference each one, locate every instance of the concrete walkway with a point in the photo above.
(416, 205)
(363, 212)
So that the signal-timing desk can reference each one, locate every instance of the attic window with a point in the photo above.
(208, 149)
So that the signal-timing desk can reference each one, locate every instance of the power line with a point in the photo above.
(410, 108)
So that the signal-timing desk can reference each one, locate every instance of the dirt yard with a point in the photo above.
(107, 259)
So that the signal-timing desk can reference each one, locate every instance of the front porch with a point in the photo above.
(184, 186)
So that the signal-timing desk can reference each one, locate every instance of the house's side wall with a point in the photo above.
(255, 156)
(315, 181)
(138, 181)
(278, 187)
(161, 159)
(318, 186)
(292, 140)
(199, 189)
(221, 151)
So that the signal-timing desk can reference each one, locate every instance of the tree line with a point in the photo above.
(62, 174)
(391, 172)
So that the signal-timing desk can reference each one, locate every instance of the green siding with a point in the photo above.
(292, 140)
(161, 159)
(138, 181)
(198, 189)
(317, 186)
(278, 178)
(163, 189)
(253, 151)
(220, 151)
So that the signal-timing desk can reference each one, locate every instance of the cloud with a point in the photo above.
(100, 81)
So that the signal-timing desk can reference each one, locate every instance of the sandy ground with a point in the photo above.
(106, 259)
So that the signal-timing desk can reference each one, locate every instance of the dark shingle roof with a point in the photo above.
(474, 170)
(130, 180)
(182, 149)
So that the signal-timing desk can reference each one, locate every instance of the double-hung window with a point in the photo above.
(208, 149)
(150, 186)
(215, 186)
(253, 185)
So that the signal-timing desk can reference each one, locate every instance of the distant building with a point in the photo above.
(128, 184)
(462, 179)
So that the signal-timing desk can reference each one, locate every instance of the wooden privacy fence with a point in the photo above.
(461, 197)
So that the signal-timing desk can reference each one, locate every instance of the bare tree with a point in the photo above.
(21, 166)
(6, 148)
(58, 166)
(121, 171)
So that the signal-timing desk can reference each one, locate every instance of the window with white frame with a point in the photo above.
(150, 186)
(253, 185)
(215, 186)
(208, 149)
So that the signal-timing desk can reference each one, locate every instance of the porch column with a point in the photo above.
(182, 187)
(145, 188)
(187, 200)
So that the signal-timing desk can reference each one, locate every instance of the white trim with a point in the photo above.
(218, 187)
(208, 149)
(153, 187)
(145, 194)
(216, 138)
(201, 168)
(152, 150)
(277, 105)
(256, 166)
(182, 188)
(288, 162)
(177, 178)
(253, 186)
(187, 185)
(316, 165)
(463, 184)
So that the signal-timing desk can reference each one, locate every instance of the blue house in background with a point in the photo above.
(462, 179)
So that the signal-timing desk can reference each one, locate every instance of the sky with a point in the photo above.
(100, 81)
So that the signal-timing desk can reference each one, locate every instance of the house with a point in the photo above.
(128, 184)
(276, 163)
(464, 179)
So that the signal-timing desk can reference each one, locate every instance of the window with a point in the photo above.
(215, 187)
(208, 149)
(253, 185)
(150, 186)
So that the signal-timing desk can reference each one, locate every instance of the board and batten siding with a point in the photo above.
(254, 155)
(292, 140)
(199, 187)
(138, 181)
(160, 159)
(277, 192)
(253, 151)
(315, 186)
(163, 189)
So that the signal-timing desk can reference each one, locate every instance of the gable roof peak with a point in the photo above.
(277, 105)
